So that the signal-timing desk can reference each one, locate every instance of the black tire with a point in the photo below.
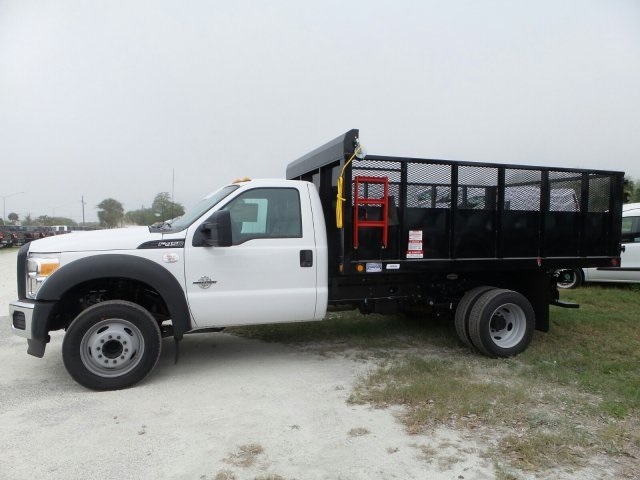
(463, 311)
(111, 345)
(501, 323)
(570, 278)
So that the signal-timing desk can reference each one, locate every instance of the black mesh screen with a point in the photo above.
(520, 232)
(429, 196)
(428, 185)
(371, 168)
(564, 191)
(522, 189)
(599, 193)
(429, 173)
(477, 188)
(379, 169)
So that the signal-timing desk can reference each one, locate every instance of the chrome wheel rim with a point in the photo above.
(112, 347)
(508, 325)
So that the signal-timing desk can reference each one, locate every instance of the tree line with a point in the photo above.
(111, 214)
(631, 191)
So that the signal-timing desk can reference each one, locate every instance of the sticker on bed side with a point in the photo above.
(374, 267)
(392, 266)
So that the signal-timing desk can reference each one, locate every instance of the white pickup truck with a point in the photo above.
(342, 232)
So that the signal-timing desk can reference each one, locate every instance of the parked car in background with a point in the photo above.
(629, 270)
(17, 234)
(8, 237)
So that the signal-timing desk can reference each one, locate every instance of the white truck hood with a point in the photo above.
(115, 239)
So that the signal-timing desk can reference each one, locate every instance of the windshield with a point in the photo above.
(196, 211)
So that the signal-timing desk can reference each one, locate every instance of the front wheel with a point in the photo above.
(111, 345)
(501, 323)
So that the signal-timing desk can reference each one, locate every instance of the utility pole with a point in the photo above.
(4, 205)
(83, 204)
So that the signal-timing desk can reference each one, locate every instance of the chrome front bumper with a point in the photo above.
(21, 314)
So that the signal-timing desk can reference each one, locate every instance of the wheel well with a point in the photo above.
(92, 292)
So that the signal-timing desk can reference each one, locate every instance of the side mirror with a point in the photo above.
(218, 229)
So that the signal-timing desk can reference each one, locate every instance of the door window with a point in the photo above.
(265, 213)
(630, 229)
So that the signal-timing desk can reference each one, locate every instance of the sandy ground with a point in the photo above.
(193, 420)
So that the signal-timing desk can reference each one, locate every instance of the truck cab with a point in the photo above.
(249, 244)
(276, 255)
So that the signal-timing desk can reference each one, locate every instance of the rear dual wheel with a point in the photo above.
(464, 310)
(496, 322)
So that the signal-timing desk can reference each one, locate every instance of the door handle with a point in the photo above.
(306, 258)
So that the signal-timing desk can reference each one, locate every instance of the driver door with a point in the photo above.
(268, 274)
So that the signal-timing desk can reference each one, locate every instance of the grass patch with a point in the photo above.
(574, 395)
(545, 449)
(595, 348)
(426, 386)
(225, 475)
(245, 456)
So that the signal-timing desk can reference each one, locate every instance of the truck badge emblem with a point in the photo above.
(204, 282)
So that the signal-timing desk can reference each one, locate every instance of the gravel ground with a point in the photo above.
(232, 408)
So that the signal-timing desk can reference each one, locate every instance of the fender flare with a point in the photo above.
(122, 266)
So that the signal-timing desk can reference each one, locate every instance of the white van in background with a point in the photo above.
(629, 271)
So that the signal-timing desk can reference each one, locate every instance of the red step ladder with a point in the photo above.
(358, 201)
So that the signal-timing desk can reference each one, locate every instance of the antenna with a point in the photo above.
(173, 184)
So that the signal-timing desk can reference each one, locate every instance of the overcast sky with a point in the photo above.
(106, 98)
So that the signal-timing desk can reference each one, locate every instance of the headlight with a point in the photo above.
(40, 267)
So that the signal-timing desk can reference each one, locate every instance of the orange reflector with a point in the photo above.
(360, 268)
(47, 269)
(240, 180)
